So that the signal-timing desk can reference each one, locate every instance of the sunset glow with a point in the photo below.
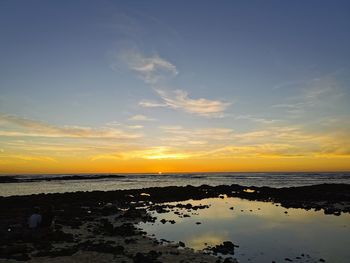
(110, 90)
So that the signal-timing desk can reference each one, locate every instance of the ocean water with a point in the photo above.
(35, 184)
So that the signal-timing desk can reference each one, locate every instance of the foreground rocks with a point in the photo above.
(103, 232)
(101, 226)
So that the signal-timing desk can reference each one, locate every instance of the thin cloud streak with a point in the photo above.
(315, 93)
(180, 99)
(18, 126)
(151, 104)
(141, 117)
(256, 119)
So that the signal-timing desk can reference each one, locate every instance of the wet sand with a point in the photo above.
(101, 226)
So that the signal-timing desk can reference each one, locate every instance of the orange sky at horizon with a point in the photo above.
(30, 146)
(323, 164)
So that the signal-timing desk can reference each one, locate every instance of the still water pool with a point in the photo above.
(264, 232)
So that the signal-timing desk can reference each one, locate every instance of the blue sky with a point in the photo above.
(153, 67)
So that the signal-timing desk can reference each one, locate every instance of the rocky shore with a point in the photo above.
(102, 226)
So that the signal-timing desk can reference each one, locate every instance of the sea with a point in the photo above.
(27, 184)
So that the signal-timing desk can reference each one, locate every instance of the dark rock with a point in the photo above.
(43, 245)
(59, 236)
(63, 252)
(20, 257)
(14, 249)
(150, 257)
(126, 229)
(107, 227)
(106, 248)
(133, 213)
(130, 241)
(102, 247)
(108, 210)
(66, 220)
(226, 248)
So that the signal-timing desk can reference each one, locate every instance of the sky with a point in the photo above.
(174, 86)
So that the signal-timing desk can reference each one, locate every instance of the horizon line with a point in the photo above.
(165, 173)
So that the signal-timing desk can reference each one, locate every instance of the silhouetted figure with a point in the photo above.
(47, 217)
(34, 220)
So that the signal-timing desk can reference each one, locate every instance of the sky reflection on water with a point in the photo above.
(263, 231)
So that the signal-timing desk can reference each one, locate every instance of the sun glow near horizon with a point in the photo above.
(145, 97)
(39, 147)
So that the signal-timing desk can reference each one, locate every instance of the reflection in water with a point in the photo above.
(264, 231)
(206, 239)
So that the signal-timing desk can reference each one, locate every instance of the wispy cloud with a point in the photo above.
(271, 141)
(26, 158)
(202, 135)
(256, 119)
(151, 104)
(312, 94)
(141, 117)
(258, 150)
(18, 126)
(135, 126)
(154, 71)
(180, 99)
(150, 153)
(123, 125)
(151, 69)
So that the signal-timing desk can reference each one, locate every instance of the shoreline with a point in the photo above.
(103, 225)
(322, 196)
